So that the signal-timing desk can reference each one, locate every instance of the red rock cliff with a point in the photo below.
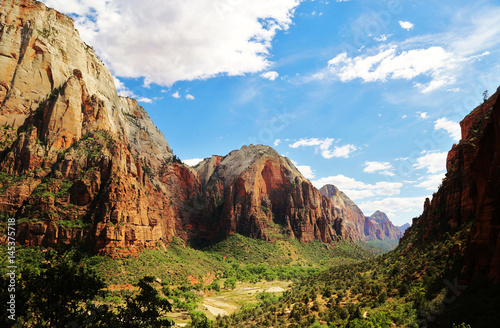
(470, 192)
(357, 225)
(79, 162)
(261, 194)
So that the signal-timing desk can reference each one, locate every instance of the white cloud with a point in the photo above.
(432, 182)
(423, 115)
(406, 25)
(304, 142)
(189, 97)
(306, 170)
(393, 204)
(432, 161)
(440, 58)
(382, 38)
(145, 100)
(357, 189)
(384, 168)
(176, 95)
(276, 142)
(192, 162)
(453, 128)
(123, 91)
(180, 40)
(323, 146)
(434, 62)
(476, 31)
(271, 75)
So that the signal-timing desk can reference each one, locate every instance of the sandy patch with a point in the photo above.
(215, 310)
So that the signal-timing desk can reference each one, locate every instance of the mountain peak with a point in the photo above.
(379, 217)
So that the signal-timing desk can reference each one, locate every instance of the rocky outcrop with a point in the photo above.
(470, 192)
(77, 160)
(353, 219)
(258, 193)
(357, 225)
(379, 225)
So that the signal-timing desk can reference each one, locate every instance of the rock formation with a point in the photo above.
(380, 225)
(79, 162)
(470, 192)
(261, 194)
(357, 225)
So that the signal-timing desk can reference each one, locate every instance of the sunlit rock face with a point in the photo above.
(358, 226)
(81, 163)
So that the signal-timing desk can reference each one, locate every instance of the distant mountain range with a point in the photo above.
(404, 227)
(360, 227)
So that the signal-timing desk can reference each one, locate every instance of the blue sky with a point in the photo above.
(366, 95)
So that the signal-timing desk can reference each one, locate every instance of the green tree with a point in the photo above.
(146, 308)
(57, 291)
(199, 320)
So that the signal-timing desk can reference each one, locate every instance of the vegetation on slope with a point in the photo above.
(183, 273)
(415, 285)
(237, 257)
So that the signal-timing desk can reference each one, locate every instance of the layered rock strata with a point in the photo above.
(358, 226)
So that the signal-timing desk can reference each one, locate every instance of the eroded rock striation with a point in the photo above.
(262, 194)
(470, 193)
(79, 162)
(358, 226)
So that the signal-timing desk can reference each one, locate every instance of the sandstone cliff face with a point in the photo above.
(378, 224)
(352, 218)
(77, 160)
(261, 194)
(357, 225)
(470, 192)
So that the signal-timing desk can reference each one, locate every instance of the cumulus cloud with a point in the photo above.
(324, 147)
(357, 189)
(432, 181)
(452, 127)
(306, 170)
(123, 91)
(176, 95)
(391, 64)
(423, 115)
(276, 142)
(432, 161)
(180, 40)
(271, 75)
(393, 204)
(384, 168)
(189, 97)
(440, 58)
(406, 25)
(192, 162)
(145, 100)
